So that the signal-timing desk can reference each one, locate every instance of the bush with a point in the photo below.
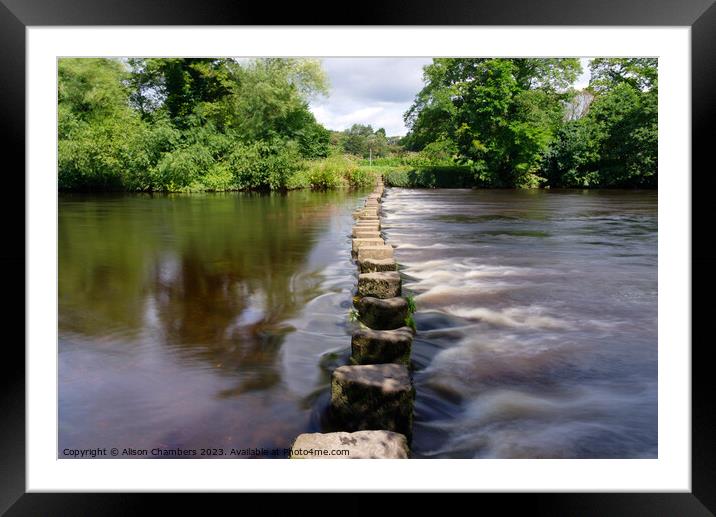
(219, 178)
(262, 166)
(103, 156)
(361, 177)
(337, 171)
(432, 177)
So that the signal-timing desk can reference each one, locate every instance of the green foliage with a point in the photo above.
(639, 73)
(360, 177)
(353, 315)
(336, 171)
(100, 139)
(184, 124)
(411, 304)
(517, 123)
(435, 154)
(410, 322)
(361, 140)
(615, 144)
(572, 158)
(180, 124)
(431, 177)
(500, 114)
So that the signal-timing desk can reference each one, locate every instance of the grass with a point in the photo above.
(334, 172)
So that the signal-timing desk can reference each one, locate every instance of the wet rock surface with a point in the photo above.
(356, 445)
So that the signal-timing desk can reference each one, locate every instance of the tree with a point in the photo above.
(501, 113)
(100, 138)
(639, 73)
(615, 143)
(361, 140)
(187, 123)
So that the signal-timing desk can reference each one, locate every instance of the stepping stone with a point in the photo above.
(384, 284)
(355, 446)
(367, 227)
(366, 234)
(375, 252)
(370, 227)
(373, 265)
(382, 314)
(373, 397)
(358, 243)
(381, 346)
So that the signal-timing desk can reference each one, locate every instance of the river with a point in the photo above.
(537, 321)
(214, 320)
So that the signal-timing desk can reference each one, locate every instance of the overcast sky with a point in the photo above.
(376, 91)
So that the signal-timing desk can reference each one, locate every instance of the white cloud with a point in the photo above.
(375, 91)
(378, 91)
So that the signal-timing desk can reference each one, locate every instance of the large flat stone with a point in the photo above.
(366, 234)
(375, 252)
(382, 314)
(381, 346)
(372, 227)
(354, 446)
(359, 243)
(372, 265)
(374, 396)
(366, 228)
(384, 284)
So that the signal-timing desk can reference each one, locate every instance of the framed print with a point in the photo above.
(431, 235)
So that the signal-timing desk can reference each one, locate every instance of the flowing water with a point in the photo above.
(214, 321)
(537, 321)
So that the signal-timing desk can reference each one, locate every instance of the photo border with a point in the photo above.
(700, 15)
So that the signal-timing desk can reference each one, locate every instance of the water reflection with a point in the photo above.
(174, 309)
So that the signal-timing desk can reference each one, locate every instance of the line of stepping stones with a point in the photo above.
(371, 398)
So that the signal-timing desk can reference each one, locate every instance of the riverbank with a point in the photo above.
(271, 174)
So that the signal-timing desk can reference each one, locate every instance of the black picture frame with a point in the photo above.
(700, 15)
